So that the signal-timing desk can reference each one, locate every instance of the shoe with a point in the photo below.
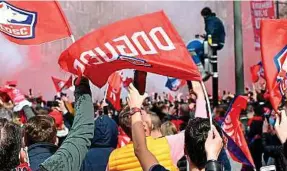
(204, 74)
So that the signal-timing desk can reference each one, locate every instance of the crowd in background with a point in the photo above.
(81, 135)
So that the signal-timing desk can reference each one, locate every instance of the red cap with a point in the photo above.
(58, 118)
(13, 82)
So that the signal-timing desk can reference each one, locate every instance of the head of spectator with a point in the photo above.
(125, 121)
(154, 123)
(103, 143)
(258, 108)
(40, 129)
(220, 112)
(165, 108)
(196, 134)
(106, 132)
(206, 11)
(168, 128)
(10, 145)
(6, 113)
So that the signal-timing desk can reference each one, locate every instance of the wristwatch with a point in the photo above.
(134, 110)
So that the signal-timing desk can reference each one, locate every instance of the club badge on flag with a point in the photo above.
(232, 130)
(174, 84)
(113, 94)
(257, 72)
(61, 85)
(33, 22)
(151, 45)
(274, 53)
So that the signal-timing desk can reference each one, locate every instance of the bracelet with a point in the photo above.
(134, 110)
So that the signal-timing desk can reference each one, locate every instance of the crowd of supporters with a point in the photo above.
(149, 133)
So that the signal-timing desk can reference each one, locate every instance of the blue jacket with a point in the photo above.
(215, 28)
(104, 142)
(39, 152)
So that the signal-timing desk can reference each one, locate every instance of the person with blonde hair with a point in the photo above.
(168, 128)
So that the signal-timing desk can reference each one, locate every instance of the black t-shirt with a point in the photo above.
(158, 168)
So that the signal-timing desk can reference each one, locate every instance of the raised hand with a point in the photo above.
(281, 126)
(213, 144)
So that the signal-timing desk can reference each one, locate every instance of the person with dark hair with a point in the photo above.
(40, 136)
(104, 142)
(72, 152)
(196, 134)
(220, 112)
(213, 27)
(10, 145)
(255, 135)
(198, 138)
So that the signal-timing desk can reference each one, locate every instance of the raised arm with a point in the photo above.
(70, 155)
(200, 110)
(145, 157)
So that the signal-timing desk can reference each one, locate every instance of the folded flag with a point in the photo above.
(232, 130)
(174, 84)
(32, 22)
(257, 72)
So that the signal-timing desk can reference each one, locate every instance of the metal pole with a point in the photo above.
(213, 61)
(277, 10)
(238, 48)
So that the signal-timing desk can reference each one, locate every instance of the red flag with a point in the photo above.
(256, 72)
(127, 82)
(114, 90)
(61, 85)
(123, 139)
(32, 22)
(152, 44)
(232, 129)
(274, 52)
(170, 98)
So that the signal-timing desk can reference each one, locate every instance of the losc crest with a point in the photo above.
(280, 61)
(16, 22)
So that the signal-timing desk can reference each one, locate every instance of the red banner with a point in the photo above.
(114, 90)
(260, 10)
(32, 22)
(146, 43)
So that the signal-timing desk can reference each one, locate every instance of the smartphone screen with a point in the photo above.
(268, 168)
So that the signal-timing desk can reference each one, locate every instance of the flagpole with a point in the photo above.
(105, 95)
(208, 104)
(72, 38)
